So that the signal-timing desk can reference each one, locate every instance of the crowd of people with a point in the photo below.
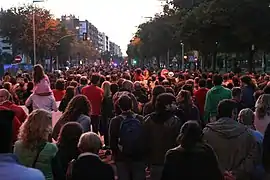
(157, 125)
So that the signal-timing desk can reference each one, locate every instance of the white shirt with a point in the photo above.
(42, 102)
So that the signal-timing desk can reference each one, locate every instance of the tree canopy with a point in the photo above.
(16, 24)
(206, 26)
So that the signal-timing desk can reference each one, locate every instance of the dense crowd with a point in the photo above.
(134, 124)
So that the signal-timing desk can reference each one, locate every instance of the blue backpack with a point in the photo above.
(130, 135)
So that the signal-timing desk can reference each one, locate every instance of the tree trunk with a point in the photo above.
(250, 60)
(158, 61)
(214, 60)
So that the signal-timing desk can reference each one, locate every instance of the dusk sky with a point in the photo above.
(117, 18)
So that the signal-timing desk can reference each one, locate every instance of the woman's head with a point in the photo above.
(164, 103)
(246, 117)
(69, 135)
(60, 84)
(263, 106)
(184, 97)
(157, 91)
(77, 105)
(70, 92)
(190, 134)
(89, 142)
(38, 73)
(128, 85)
(36, 129)
(114, 88)
(106, 86)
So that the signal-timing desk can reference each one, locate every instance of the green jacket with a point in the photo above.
(213, 97)
(27, 157)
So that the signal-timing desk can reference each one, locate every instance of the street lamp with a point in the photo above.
(34, 31)
(58, 44)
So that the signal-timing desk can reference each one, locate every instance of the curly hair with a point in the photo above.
(78, 105)
(263, 106)
(36, 129)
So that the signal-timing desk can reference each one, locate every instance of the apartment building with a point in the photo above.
(5, 46)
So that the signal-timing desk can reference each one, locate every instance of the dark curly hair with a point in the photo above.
(77, 106)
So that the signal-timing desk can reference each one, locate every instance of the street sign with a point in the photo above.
(18, 59)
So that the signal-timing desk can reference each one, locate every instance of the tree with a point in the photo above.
(16, 25)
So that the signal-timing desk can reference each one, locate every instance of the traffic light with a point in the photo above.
(84, 36)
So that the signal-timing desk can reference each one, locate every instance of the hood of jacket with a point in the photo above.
(227, 128)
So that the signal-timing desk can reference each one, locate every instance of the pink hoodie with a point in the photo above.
(43, 86)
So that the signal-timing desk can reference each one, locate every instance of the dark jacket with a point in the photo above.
(266, 150)
(198, 162)
(235, 146)
(107, 110)
(247, 97)
(89, 166)
(114, 130)
(160, 133)
(61, 160)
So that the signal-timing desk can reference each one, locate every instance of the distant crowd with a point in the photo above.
(134, 124)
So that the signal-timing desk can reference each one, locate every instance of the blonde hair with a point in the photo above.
(247, 116)
(106, 86)
(263, 106)
(36, 129)
(89, 142)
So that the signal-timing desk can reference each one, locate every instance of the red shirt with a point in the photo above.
(58, 95)
(95, 96)
(19, 112)
(200, 96)
(16, 124)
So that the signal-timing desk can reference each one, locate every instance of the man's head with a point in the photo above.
(125, 103)
(89, 142)
(202, 83)
(217, 80)
(227, 108)
(4, 95)
(95, 79)
(236, 93)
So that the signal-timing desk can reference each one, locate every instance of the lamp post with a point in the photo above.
(34, 31)
(183, 54)
(58, 44)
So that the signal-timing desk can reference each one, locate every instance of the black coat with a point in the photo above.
(90, 166)
(196, 163)
(61, 161)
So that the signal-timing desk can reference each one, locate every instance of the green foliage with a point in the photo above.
(207, 26)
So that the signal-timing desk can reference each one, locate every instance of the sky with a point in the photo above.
(117, 18)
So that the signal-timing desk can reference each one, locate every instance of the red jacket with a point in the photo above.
(19, 112)
(200, 96)
(16, 124)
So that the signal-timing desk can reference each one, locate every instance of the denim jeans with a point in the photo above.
(156, 172)
(131, 170)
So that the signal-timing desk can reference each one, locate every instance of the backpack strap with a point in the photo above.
(70, 169)
(38, 153)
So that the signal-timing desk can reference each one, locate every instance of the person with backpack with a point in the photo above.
(88, 165)
(126, 142)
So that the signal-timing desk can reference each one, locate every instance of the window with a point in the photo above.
(5, 48)
(5, 41)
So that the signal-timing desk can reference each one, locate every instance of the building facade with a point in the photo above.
(115, 49)
(5, 46)
(93, 35)
(71, 23)
(104, 44)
